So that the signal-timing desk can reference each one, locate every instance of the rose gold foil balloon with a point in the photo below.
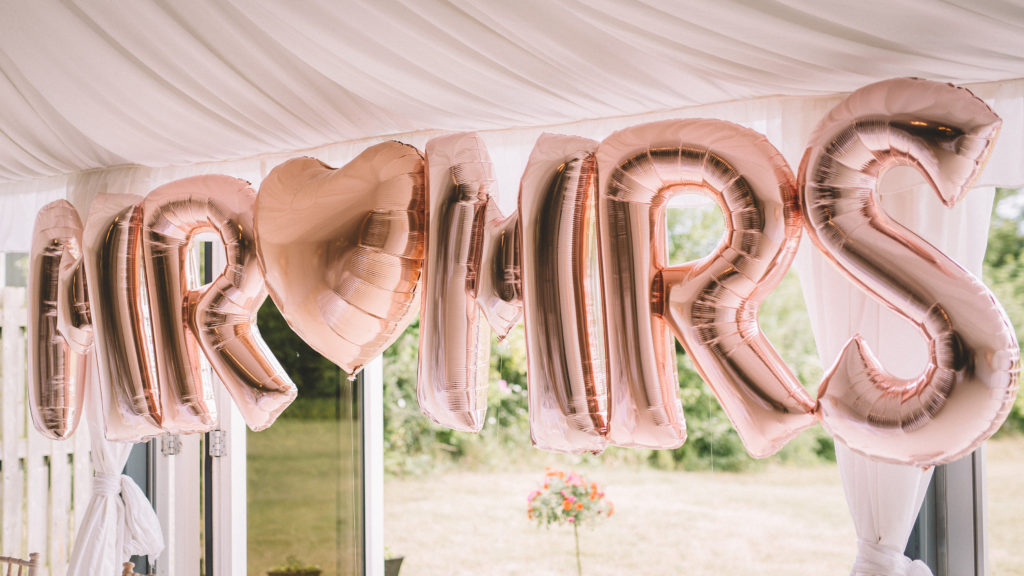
(710, 304)
(131, 399)
(499, 290)
(470, 269)
(342, 249)
(561, 300)
(969, 384)
(59, 327)
(219, 319)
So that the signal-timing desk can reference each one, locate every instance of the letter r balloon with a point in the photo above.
(218, 319)
(710, 304)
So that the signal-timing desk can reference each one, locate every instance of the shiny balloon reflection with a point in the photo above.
(131, 398)
(346, 252)
(970, 381)
(59, 324)
(470, 278)
(566, 373)
(710, 304)
(217, 321)
(342, 249)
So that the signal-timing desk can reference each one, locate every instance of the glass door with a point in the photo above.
(305, 473)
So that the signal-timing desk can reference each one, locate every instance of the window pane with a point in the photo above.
(304, 472)
(16, 269)
(1004, 454)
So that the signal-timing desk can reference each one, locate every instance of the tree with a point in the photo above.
(1003, 272)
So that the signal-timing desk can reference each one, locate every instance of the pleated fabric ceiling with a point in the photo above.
(96, 84)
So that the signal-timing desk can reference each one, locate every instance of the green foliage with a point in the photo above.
(316, 377)
(413, 444)
(1004, 274)
(712, 442)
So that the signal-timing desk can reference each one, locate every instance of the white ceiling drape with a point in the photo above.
(237, 86)
(94, 84)
(785, 120)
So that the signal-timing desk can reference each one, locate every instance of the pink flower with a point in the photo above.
(533, 495)
(571, 519)
(503, 386)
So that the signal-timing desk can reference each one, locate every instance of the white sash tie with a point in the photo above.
(877, 560)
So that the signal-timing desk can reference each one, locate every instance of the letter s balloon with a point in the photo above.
(969, 384)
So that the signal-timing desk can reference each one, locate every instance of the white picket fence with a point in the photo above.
(45, 485)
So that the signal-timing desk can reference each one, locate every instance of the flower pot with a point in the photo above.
(392, 565)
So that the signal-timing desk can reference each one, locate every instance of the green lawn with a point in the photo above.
(776, 520)
(301, 501)
(1005, 508)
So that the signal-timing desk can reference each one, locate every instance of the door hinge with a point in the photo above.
(170, 444)
(218, 444)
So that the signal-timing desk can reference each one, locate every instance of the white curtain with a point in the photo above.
(884, 499)
(119, 521)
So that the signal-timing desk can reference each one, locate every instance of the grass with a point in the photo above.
(1004, 467)
(301, 496)
(664, 523)
(775, 520)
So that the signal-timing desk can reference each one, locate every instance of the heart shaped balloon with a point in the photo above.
(342, 249)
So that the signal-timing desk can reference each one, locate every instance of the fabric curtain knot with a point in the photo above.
(106, 484)
(874, 559)
(142, 527)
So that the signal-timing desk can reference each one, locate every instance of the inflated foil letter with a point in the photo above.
(59, 324)
(710, 304)
(470, 274)
(969, 384)
(219, 319)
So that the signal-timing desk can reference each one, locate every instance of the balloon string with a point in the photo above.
(501, 376)
(711, 432)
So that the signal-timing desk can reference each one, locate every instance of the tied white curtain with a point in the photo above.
(884, 499)
(119, 521)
